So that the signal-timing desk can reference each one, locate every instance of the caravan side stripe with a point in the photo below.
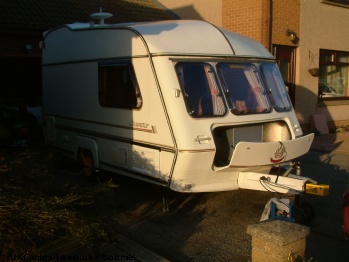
(117, 138)
(131, 126)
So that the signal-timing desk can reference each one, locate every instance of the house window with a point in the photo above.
(202, 94)
(118, 86)
(333, 75)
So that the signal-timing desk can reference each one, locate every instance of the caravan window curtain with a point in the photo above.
(118, 86)
(276, 87)
(202, 93)
(244, 87)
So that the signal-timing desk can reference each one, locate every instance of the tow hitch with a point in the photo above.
(317, 189)
(288, 188)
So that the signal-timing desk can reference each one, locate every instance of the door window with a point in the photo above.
(286, 60)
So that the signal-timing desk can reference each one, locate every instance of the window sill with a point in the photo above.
(337, 3)
(333, 102)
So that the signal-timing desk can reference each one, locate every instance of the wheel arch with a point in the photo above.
(88, 144)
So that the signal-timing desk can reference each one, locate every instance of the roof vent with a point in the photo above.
(101, 16)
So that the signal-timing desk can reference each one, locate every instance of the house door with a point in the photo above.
(286, 60)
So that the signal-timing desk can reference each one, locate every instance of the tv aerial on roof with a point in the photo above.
(101, 16)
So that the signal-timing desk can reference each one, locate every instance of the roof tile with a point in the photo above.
(46, 14)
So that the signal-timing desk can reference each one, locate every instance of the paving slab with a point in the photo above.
(123, 249)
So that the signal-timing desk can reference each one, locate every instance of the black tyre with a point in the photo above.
(86, 160)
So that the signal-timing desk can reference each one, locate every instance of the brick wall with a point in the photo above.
(286, 15)
(251, 18)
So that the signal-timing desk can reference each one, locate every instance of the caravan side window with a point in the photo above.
(202, 94)
(118, 86)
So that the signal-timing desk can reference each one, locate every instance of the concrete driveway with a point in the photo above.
(212, 226)
(326, 241)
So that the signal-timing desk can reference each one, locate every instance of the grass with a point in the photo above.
(42, 200)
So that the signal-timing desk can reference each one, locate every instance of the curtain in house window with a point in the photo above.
(333, 74)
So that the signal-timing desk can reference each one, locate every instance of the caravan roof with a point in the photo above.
(172, 37)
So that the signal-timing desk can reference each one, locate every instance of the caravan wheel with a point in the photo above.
(86, 161)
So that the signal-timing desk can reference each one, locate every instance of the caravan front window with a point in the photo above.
(203, 96)
(118, 86)
(276, 87)
(244, 88)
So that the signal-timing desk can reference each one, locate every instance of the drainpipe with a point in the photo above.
(270, 26)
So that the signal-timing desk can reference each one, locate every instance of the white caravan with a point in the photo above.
(179, 103)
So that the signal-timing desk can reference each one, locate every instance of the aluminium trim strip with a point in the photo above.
(136, 174)
(117, 138)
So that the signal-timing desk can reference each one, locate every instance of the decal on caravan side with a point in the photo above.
(179, 103)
